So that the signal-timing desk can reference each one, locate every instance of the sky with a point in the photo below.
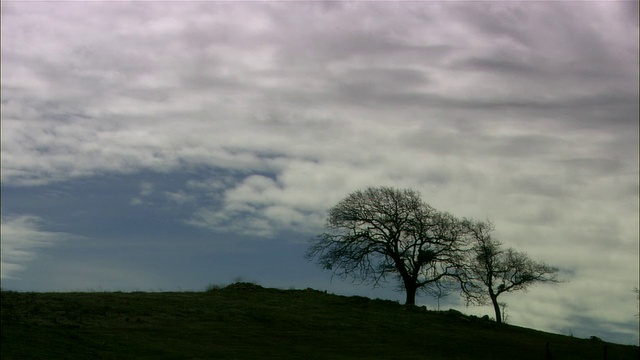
(169, 146)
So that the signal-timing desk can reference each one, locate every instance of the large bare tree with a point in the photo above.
(492, 270)
(382, 231)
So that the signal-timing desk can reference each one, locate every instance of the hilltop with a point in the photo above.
(247, 321)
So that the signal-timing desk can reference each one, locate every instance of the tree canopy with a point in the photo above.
(491, 270)
(382, 231)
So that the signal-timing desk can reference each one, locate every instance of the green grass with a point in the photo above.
(246, 321)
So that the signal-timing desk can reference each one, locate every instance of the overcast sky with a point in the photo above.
(172, 145)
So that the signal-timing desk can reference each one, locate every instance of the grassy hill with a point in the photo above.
(246, 321)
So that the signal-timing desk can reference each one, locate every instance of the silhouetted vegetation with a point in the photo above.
(491, 270)
(382, 231)
(247, 321)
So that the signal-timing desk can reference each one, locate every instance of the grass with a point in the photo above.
(246, 321)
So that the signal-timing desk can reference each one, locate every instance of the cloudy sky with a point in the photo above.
(171, 145)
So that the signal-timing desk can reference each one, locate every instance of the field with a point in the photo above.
(246, 321)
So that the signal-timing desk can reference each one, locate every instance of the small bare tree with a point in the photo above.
(491, 270)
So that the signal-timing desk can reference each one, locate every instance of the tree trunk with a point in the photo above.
(496, 307)
(411, 290)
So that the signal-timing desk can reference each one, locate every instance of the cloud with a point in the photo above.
(22, 239)
(146, 188)
(147, 109)
(179, 197)
(260, 205)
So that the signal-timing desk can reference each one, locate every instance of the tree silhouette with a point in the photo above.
(491, 270)
(383, 231)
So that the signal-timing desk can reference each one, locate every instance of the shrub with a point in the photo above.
(212, 287)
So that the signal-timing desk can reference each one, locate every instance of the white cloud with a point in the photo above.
(155, 113)
(146, 188)
(179, 197)
(22, 239)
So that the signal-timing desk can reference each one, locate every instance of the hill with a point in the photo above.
(246, 321)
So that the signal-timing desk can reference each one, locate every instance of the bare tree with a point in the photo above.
(384, 231)
(491, 270)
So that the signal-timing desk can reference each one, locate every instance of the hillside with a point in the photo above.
(246, 321)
